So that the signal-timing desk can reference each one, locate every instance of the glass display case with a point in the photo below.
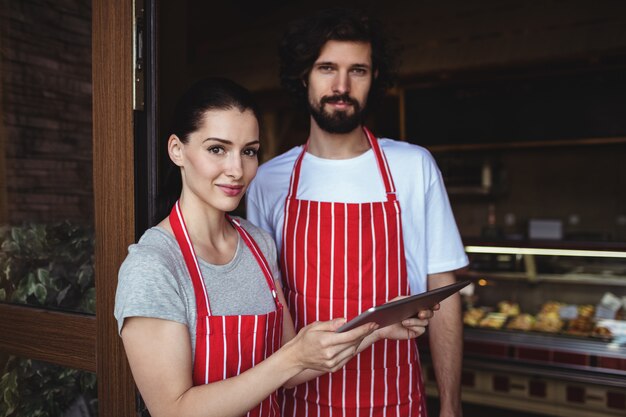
(548, 290)
(545, 328)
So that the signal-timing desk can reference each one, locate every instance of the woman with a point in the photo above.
(199, 302)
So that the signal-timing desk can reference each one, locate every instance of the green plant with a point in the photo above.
(48, 265)
(51, 266)
(35, 389)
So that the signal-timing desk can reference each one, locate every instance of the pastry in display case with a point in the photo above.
(493, 320)
(524, 322)
(551, 318)
(472, 316)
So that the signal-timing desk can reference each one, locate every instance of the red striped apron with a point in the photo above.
(229, 345)
(339, 259)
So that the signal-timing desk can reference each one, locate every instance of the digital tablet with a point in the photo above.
(396, 311)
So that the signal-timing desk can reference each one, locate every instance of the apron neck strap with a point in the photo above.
(191, 260)
(381, 162)
(258, 255)
(383, 165)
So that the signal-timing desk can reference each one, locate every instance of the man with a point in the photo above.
(358, 221)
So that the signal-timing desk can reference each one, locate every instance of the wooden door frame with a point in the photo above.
(78, 340)
(114, 192)
(3, 181)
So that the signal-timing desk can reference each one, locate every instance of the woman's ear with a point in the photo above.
(175, 150)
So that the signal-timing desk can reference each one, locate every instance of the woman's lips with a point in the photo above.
(231, 190)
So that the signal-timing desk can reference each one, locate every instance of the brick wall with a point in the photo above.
(46, 101)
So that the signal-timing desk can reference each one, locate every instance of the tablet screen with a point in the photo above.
(398, 310)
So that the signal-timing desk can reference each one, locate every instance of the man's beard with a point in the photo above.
(338, 121)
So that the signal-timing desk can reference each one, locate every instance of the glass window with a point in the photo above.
(46, 190)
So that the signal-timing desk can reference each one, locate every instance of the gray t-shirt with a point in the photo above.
(153, 281)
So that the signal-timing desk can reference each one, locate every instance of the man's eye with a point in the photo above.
(359, 71)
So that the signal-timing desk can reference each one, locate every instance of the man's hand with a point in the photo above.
(409, 328)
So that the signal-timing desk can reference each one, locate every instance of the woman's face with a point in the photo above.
(220, 158)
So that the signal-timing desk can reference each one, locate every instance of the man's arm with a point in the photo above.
(446, 346)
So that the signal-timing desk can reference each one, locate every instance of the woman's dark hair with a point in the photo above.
(207, 94)
(303, 41)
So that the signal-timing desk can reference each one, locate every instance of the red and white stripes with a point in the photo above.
(339, 259)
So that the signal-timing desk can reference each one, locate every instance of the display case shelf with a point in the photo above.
(573, 279)
(597, 247)
(546, 349)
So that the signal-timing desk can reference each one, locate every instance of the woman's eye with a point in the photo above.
(251, 152)
(216, 150)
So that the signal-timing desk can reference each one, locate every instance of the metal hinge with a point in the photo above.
(139, 58)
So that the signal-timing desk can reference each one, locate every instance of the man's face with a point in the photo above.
(338, 85)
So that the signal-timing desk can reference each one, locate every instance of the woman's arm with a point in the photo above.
(159, 353)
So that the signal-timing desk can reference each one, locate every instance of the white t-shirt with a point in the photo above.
(431, 238)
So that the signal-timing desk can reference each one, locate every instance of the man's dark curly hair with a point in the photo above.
(304, 39)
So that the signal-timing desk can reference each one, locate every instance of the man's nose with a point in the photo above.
(341, 83)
